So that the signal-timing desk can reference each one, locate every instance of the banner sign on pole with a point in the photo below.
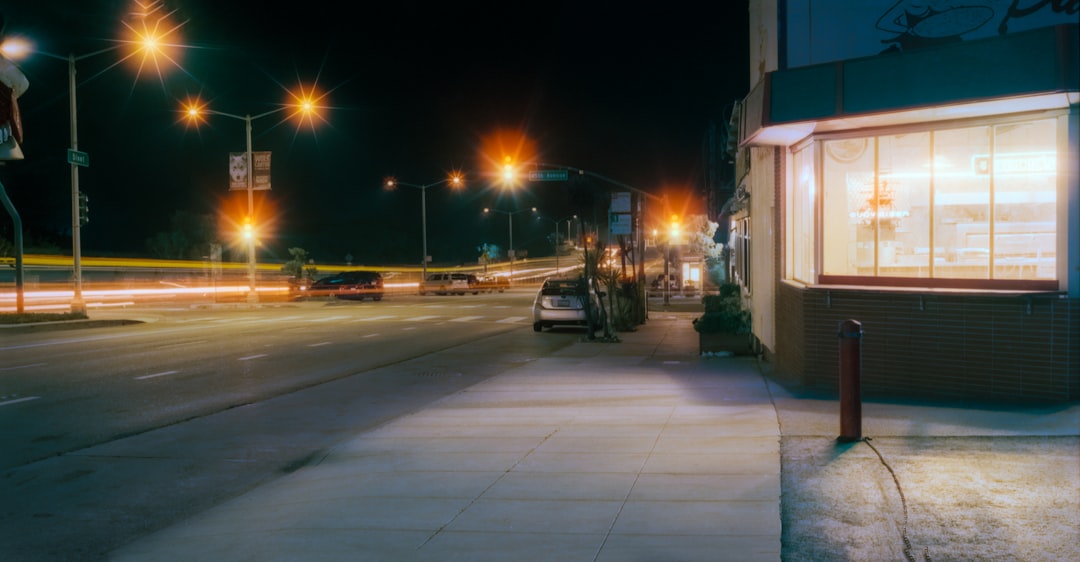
(238, 171)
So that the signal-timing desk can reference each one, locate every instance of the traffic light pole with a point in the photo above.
(78, 306)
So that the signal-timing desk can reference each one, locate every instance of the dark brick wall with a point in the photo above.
(935, 345)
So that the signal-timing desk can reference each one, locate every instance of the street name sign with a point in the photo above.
(548, 175)
(78, 158)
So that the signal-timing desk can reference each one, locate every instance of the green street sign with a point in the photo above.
(547, 175)
(78, 158)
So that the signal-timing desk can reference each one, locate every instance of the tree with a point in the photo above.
(301, 267)
(189, 236)
(700, 237)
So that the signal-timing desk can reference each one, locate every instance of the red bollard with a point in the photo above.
(850, 372)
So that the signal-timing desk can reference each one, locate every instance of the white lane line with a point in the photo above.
(421, 318)
(466, 318)
(511, 319)
(22, 366)
(371, 335)
(407, 329)
(370, 318)
(249, 357)
(17, 400)
(328, 318)
(320, 344)
(161, 374)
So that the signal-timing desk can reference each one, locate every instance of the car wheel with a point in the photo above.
(537, 326)
(377, 298)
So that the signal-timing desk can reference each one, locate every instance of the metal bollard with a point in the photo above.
(850, 335)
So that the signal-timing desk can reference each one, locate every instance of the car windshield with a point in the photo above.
(563, 287)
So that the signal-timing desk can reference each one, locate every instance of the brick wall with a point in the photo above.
(935, 345)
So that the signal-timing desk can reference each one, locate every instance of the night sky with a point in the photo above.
(411, 90)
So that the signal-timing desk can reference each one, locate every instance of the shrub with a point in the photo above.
(724, 313)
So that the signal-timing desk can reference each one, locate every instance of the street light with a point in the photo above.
(456, 180)
(556, 223)
(303, 105)
(510, 215)
(150, 43)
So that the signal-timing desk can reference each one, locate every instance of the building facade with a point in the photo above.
(914, 166)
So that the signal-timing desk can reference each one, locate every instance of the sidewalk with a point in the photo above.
(643, 450)
(638, 450)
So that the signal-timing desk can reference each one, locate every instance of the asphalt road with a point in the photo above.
(113, 432)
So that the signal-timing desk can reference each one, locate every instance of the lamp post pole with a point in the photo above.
(455, 180)
(253, 295)
(510, 253)
(78, 306)
(194, 112)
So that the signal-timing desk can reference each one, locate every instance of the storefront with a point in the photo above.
(931, 195)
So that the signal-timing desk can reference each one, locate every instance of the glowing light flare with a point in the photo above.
(152, 42)
(506, 151)
(307, 106)
(16, 48)
(456, 180)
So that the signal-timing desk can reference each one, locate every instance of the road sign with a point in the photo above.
(78, 158)
(547, 175)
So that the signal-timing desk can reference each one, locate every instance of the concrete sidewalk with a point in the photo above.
(638, 450)
(643, 450)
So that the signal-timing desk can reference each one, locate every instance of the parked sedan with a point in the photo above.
(568, 301)
(357, 285)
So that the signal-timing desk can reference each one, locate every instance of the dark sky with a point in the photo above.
(413, 90)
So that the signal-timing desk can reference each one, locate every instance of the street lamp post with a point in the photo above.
(455, 180)
(78, 305)
(194, 111)
(510, 252)
(556, 223)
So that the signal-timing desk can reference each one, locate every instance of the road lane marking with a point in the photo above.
(371, 318)
(22, 366)
(161, 374)
(421, 318)
(408, 328)
(17, 400)
(371, 335)
(249, 357)
(320, 344)
(328, 318)
(466, 318)
(511, 319)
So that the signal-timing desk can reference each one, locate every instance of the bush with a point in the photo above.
(724, 313)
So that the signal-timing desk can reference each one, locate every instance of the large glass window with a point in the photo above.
(966, 203)
(1025, 201)
(962, 203)
(801, 226)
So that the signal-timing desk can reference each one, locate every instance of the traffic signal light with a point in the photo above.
(84, 209)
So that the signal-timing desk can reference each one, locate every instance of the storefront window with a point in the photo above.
(801, 225)
(1025, 201)
(962, 203)
(966, 203)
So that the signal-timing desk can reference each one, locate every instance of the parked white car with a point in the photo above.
(568, 301)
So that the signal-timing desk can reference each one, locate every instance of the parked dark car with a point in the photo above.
(355, 285)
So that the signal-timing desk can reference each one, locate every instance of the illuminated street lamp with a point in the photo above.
(510, 215)
(150, 42)
(304, 106)
(456, 180)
